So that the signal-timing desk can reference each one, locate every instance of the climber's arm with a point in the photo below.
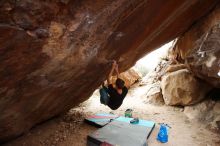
(111, 72)
(116, 70)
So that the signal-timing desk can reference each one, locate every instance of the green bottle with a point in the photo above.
(128, 113)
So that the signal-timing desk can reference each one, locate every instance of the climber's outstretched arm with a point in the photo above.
(116, 70)
(111, 72)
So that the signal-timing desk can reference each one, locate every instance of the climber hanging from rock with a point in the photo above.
(113, 95)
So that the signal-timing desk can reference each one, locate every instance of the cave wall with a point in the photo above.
(199, 48)
(54, 54)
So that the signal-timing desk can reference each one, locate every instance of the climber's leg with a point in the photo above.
(104, 97)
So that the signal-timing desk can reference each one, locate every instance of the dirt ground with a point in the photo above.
(70, 130)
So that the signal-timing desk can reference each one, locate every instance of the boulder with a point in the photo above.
(168, 66)
(54, 54)
(182, 88)
(130, 77)
(154, 94)
(176, 67)
(199, 48)
(153, 91)
(155, 98)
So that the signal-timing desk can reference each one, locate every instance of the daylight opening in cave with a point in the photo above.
(139, 71)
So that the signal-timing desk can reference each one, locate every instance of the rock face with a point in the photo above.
(182, 88)
(54, 54)
(199, 48)
(154, 94)
(152, 82)
(207, 111)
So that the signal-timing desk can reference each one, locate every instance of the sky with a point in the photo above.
(151, 60)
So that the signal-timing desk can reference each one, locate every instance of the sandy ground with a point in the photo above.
(70, 130)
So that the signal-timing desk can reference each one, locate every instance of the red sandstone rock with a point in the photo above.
(130, 77)
(199, 48)
(54, 54)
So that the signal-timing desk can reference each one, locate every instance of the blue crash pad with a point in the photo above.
(121, 132)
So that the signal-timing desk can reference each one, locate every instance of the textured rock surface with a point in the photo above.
(130, 77)
(54, 54)
(175, 67)
(207, 111)
(154, 94)
(199, 48)
(182, 88)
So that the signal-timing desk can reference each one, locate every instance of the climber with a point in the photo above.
(113, 95)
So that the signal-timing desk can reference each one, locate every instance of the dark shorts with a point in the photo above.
(104, 97)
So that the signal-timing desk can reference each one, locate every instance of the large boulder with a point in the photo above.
(199, 48)
(54, 54)
(182, 88)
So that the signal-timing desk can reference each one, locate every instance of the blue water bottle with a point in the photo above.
(163, 133)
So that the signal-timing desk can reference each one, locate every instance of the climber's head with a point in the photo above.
(120, 83)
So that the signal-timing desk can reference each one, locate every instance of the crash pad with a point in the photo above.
(121, 132)
(101, 119)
